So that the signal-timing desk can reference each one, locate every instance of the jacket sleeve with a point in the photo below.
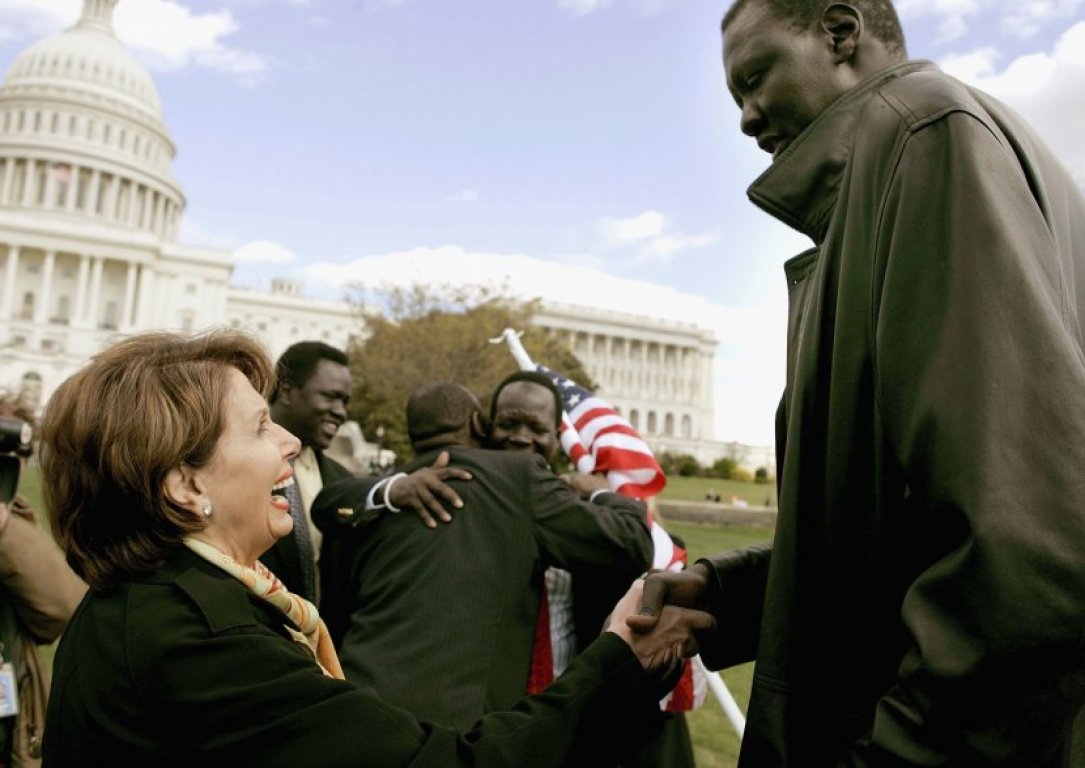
(247, 696)
(339, 512)
(980, 383)
(44, 590)
(608, 537)
(736, 597)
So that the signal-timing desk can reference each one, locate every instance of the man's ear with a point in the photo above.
(182, 486)
(480, 427)
(284, 393)
(843, 24)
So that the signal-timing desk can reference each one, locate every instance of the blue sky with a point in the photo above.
(587, 149)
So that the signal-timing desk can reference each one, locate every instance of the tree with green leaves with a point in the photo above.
(426, 334)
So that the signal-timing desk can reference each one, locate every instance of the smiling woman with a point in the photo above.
(160, 469)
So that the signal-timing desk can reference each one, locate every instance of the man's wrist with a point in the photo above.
(387, 492)
(377, 498)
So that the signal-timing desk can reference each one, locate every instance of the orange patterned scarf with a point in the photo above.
(263, 583)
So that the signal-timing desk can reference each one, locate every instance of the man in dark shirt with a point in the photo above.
(443, 620)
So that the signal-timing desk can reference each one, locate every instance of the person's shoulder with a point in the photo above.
(330, 469)
(189, 591)
(926, 94)
(517, 463)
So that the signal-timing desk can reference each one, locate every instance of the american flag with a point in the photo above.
(598, 438)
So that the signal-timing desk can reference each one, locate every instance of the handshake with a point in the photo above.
(662, 636)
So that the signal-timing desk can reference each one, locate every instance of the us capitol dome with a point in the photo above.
(90, 213)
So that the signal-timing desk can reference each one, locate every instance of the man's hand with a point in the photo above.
(586, 485)
(426, 492)
(671, 639)
(685, 588)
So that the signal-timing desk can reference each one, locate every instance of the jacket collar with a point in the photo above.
(220, 596)
(801, 186)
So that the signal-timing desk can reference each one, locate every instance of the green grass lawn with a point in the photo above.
(694, 489)
(715, 744)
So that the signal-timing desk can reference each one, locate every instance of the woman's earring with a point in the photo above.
(207, 509)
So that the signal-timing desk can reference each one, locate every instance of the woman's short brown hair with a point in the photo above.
(113, 431)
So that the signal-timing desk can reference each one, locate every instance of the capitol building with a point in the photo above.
(89, 221)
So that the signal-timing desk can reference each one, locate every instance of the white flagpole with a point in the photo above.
(723, 696)
(715, 681)
(512, 338)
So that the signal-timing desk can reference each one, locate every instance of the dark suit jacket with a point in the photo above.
(443, 621)
(284, 558)
(186, 667)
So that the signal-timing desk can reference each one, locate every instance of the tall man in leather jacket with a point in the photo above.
(922, 603)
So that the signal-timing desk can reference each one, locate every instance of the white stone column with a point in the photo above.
(94, 305)
(145, 296)
(11, 274)
(73, 188)
(50, 186)
(90, 199)
(135, 205)
(158, 222)
(79, 315)
(129, 297)
(30, 182)
(41, 313)
(9, 178)
(111, 194)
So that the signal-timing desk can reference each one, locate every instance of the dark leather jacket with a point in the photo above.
(924, 600)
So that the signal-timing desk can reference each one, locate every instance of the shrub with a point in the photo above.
(741, 475)
(723, 468)
(687, 466)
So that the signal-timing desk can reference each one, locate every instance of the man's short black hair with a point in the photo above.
(532, 377)
(439, 409)
(879, 17)
(297, 363)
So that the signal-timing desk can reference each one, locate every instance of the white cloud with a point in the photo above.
(1026, 19)
(645, 232)
(264, 252)
(749, 363)
(1045, 87)
(579, 8)
(665, 248)
(1019, 18)
(953, 14)
(631, 230)
(463, 196)
(165, 33)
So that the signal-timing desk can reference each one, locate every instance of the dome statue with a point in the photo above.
(81, 131)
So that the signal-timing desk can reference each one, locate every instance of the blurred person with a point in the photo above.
(38, 593)
(923, 601)
(443, 620)
(312, 391)
(525, 412)
(188, 650)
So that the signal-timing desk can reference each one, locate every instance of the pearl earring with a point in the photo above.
(207, 509)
